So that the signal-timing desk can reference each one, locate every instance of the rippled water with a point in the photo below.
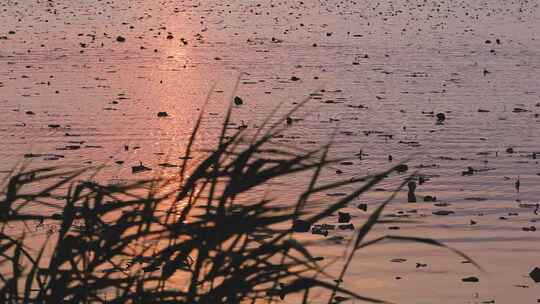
(375, 74)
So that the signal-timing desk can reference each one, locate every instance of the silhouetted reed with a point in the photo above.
(139, 243)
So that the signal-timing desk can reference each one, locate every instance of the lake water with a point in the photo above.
(376, 73)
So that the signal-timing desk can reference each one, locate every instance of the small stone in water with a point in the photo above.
(443, 212)
(238, 101)
(139, 168)
(319, 231)
(470, 279)
(398, 260)
(441, 117)
(535, 275)
(301, 226)
(346, 227)
(429, 198)
(344, 217)
(402, 168)
(339, 299)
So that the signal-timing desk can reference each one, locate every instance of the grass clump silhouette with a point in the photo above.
(193, 244)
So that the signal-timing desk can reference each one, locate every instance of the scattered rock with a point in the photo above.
(398, 260)
(344, 217)
(402, 168)
(339, 299)
(57, 216)
(441, 117)
(441, 204)
(168, 165)
(301, 226)
(319, 231)
(325, 226)
(411, 196)
(238, 101)
(474, 198)
(520, 110)
(470, 279)
(289, 121)
(443, 212)
(139, 168)
(535, 275)
(346, 227)
(429, 198)
(470, 171)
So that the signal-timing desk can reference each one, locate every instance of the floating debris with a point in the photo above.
(398, 260)
(168, 165)
(535, 275)
(429, 198)
(402, 168)
(362, 207)
(140, 168)
(470, 280)
(319, 231)
(238, 101)
(344, 217)
(346, 227)
(443, 212)
(471, 171)
(520, 110)
(411, 196)
(301, 226)
(441, 117)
